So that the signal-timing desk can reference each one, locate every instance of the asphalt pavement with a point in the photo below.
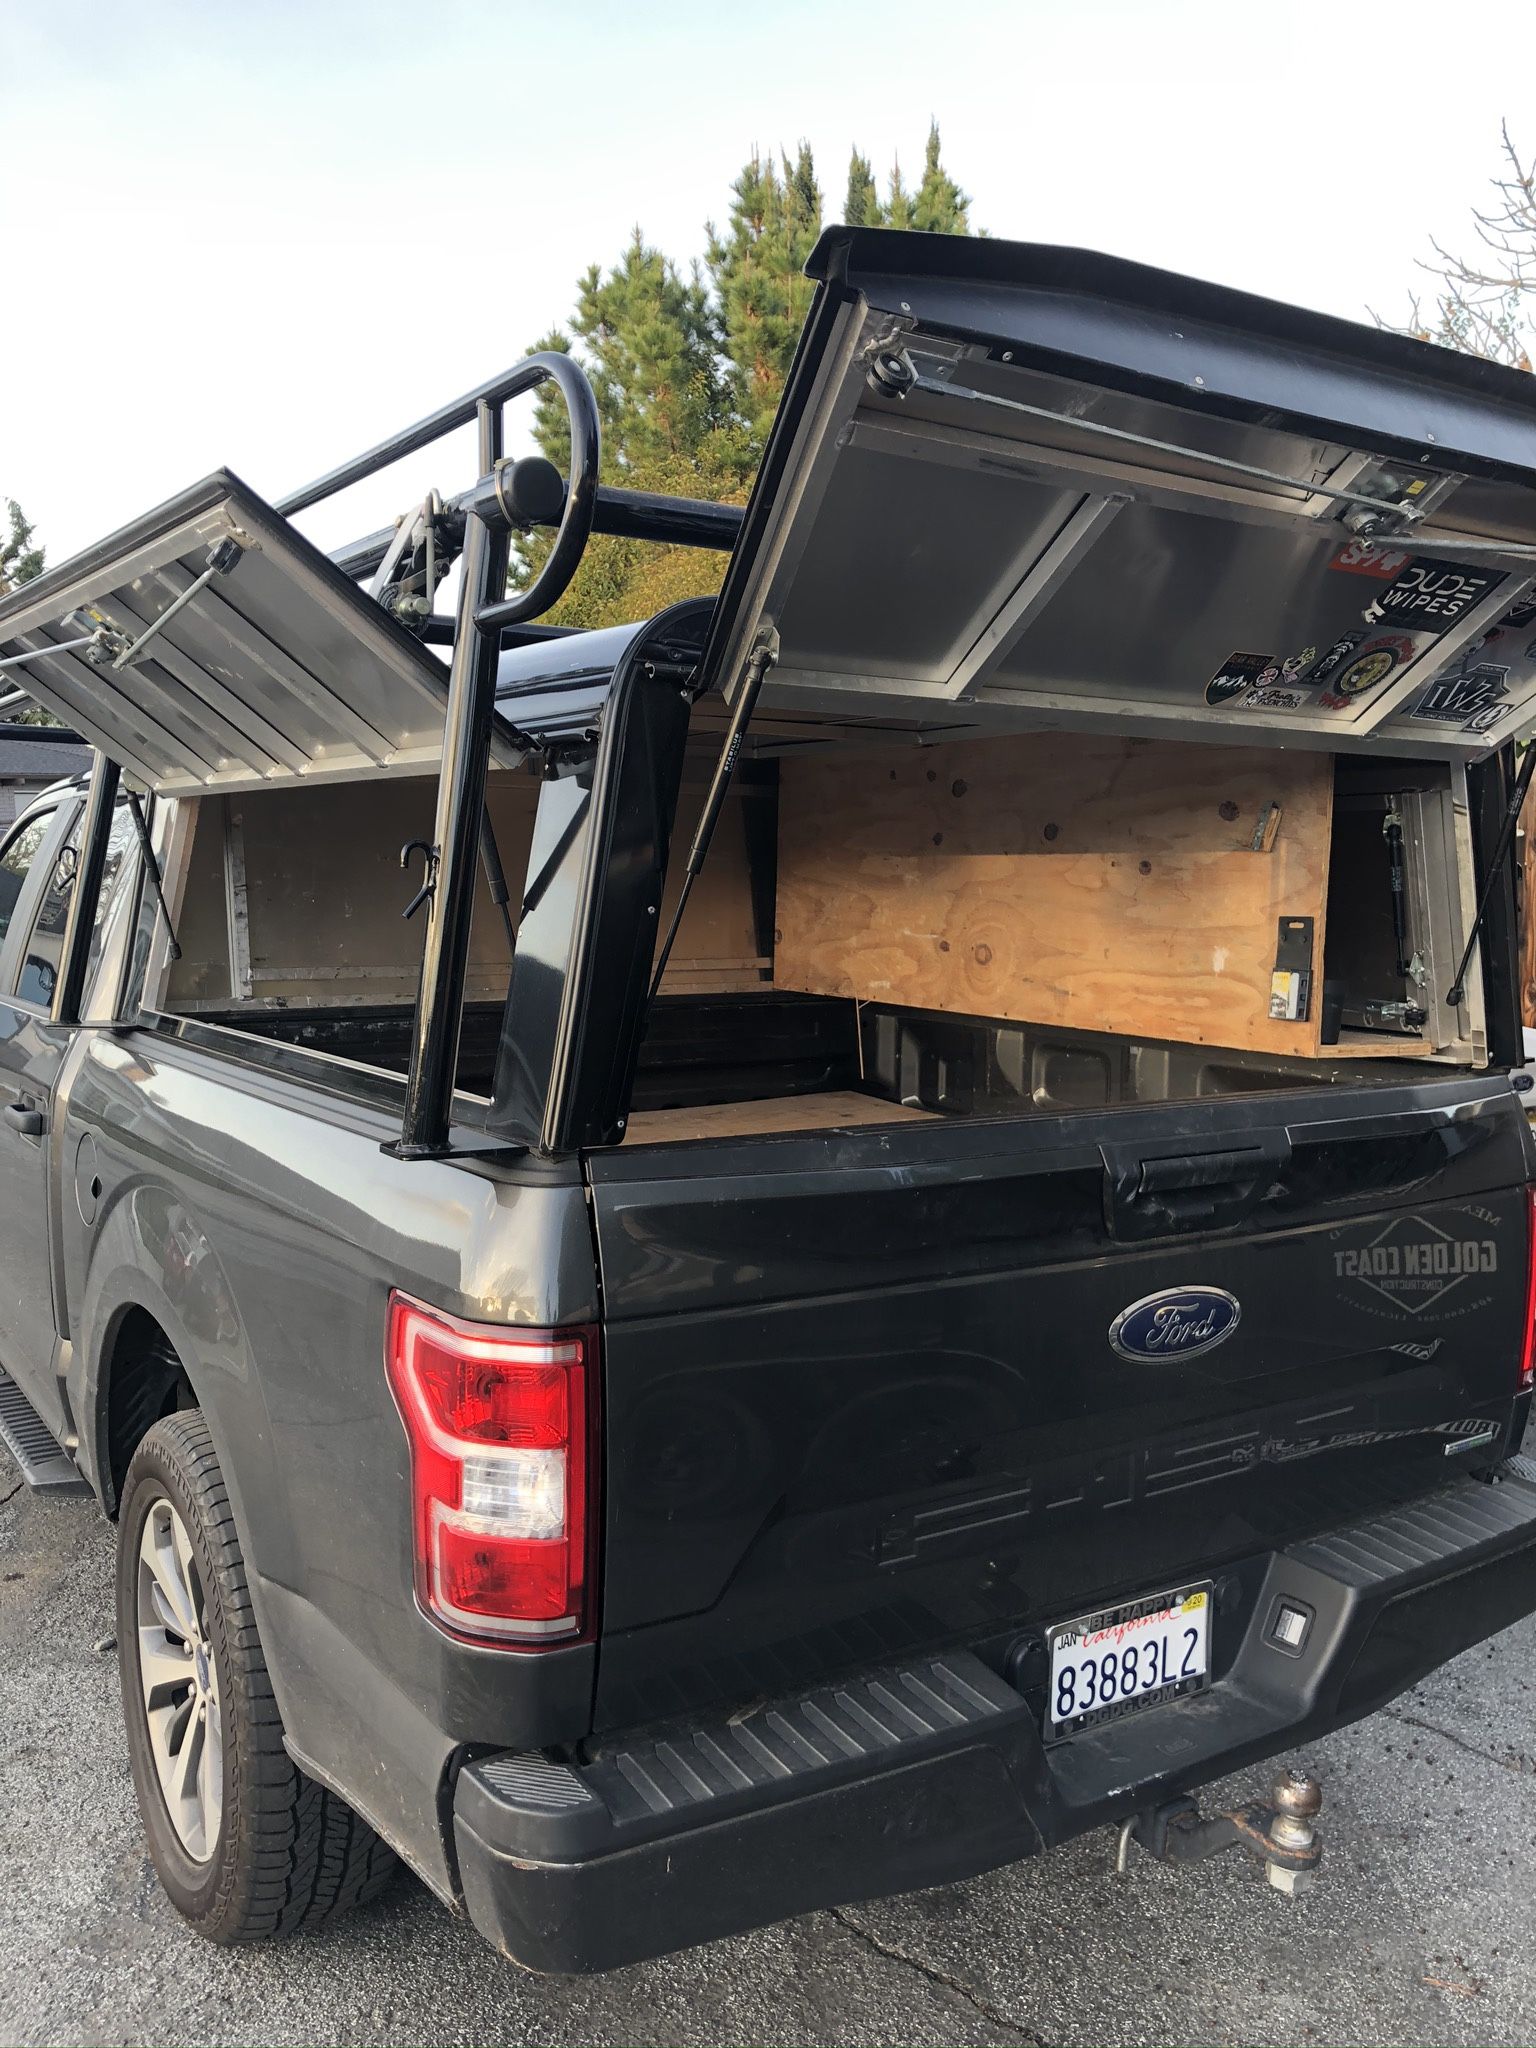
(1422, 1928)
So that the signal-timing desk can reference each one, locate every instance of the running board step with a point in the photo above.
(45, 1465)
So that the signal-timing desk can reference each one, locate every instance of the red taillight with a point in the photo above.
(498, 1423)
(1528, 1338)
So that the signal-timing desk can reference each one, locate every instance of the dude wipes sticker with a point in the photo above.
(1432, 596)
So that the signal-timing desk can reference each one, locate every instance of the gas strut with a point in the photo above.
(495, 874)
(152, 869)
(1456, 993)
(757, 668)
(1393, 830)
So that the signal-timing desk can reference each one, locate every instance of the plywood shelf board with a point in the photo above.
(838, 1109)
(1065, 879)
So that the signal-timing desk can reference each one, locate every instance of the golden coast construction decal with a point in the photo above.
(1414, 1265)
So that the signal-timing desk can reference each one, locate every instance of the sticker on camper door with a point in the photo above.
(1360, 558)
(1369, 669)
(1432, 595)
(1472, 696)
(1333, 658)
(1240, 672)
(1269, 699)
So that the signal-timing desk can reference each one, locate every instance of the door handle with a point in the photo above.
(26, 1117)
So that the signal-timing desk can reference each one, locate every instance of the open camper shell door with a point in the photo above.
(210, 648)
(1016, 486)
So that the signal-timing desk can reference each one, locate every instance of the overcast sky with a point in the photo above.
(266, 234)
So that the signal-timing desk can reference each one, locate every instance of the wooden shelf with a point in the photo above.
(1375, 1045)
(1066, 879)
(843, 1109)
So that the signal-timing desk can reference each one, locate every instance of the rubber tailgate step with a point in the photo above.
(772, 1751)
(44, 1465)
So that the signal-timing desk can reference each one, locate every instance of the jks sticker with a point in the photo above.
(1269, 699)
(1432, 595)
(1369, 669)
(1359, 558)
(1472, 697)
(1237, 673)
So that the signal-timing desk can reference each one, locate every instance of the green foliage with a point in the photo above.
(20, 561)
(649, 348)
(757, 275)
(861, 207)
(939, 207)
(689, 370)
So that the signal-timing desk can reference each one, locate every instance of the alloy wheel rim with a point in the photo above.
(179, 1681)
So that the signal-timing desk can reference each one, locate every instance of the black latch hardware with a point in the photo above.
(429, 875)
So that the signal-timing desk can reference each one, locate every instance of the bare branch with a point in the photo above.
(1482, 307)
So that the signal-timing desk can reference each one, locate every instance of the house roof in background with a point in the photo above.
(41, 760)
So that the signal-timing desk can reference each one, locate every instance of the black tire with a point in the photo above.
(287, 1853)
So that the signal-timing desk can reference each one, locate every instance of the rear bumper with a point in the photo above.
(934, 1770)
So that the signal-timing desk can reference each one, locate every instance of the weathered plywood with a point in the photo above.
(836, 1109)
(717, 948)
(1057, 878)
(325, 892)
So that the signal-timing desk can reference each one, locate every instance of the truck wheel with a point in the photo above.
(248, 1847)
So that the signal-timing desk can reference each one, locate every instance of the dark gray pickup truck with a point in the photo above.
(804, 1248)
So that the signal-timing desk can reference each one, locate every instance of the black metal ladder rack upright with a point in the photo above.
(506, 497)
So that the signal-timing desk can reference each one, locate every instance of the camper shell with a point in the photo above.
(995, 1041)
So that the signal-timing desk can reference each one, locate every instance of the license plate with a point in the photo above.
(1114, 1663)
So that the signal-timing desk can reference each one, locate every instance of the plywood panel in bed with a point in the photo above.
(1059, 878)
(837, 1109)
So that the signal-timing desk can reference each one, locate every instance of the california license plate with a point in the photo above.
(1121, 1660)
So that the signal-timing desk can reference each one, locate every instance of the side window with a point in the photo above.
(117, 868)
(15, 861)
(45, 947)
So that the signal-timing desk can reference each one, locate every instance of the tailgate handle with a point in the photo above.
(1179, 1191)
(1201, 1169)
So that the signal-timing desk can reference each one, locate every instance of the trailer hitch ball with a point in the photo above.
(1297, 1801)
(1278, 1831)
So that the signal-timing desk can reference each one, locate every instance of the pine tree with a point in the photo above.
(939, 207)
(20, 561)
(757, 273)
(650, 352)
(861, 207)
(688, 371)
(897, 210)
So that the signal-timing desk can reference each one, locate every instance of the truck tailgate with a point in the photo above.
(862, 1395)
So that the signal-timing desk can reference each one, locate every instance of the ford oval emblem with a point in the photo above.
(1176, 1322)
